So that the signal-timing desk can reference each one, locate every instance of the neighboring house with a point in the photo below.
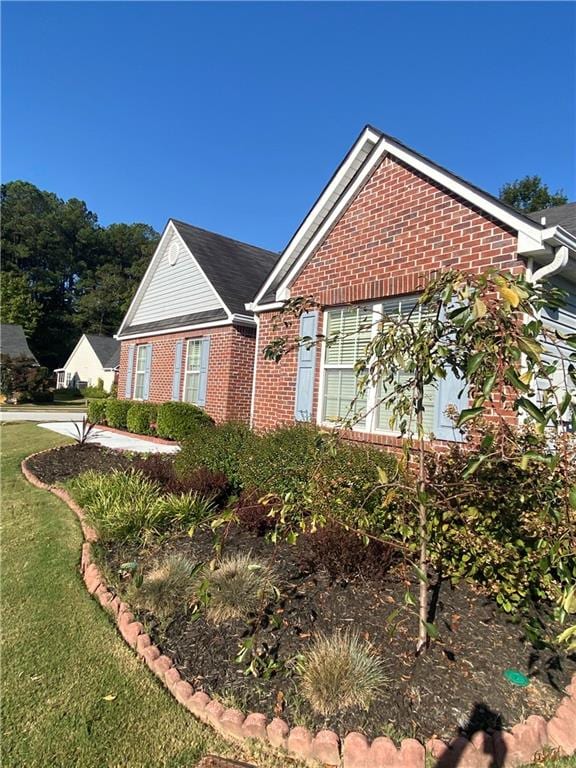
(94, 357)
(387, 219)
(187, 334)
(13, 343)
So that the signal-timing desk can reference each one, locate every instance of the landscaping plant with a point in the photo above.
(97, 411)
(339, 672)
(168, 588)
(177, 421)
(240, 585)
(141, 417)
(117, 412)
(486, 330)
(83, 431)
(217, 448)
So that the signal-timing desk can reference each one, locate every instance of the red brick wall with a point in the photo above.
(230, 364)
(398, 229)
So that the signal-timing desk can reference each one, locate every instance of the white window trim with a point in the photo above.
(199, 340)
(371, 415)
(136, 372)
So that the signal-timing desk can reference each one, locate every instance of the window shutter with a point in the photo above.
(177, 375)
(203, 371)
(129, 368)
(147, 373)
(305, 374)
(448, 394)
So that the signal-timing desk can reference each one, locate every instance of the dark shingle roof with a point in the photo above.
(13, 342)
(182, 321)
(107, 349)
(562, 215)
(235, 269)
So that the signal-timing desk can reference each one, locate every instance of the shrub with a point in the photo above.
(239, 587)
(68, 393)
(97, 411)
(120, 505)
(340, 672)
(344, 485)
(42, 397)
(252, 514)
(160, 469)
(344, 553)
(177, 421)
(117, 412)
(280, 461)
(140, 418)
(168, 589)
(216, 447)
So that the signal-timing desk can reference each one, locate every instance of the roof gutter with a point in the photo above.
(562, 242)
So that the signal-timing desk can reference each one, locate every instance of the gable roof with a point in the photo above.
(564, 215)
(371, 146)
(231, 271)
(13, 342)
(106, 348)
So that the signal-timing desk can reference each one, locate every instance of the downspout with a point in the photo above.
(556, 265)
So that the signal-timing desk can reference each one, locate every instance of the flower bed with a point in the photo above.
(312, 599)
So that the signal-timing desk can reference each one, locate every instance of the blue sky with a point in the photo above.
(233, 116)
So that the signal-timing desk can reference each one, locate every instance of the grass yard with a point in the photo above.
(73, 694)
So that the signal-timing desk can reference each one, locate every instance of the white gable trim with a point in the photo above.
(366, 141)
(71, 355)
(530, 233)
(169, 231)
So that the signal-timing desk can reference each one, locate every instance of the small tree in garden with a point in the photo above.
(486, 331)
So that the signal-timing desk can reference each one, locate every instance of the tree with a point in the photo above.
(531, 194)
(17, 304)
(486, 331)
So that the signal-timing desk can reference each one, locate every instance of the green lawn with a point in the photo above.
(61, 655)
(61, 405)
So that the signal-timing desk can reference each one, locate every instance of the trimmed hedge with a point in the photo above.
(94, 393)
(97, 411)
(117, 412)
(140, 418)
(177, 421)
(217, 448)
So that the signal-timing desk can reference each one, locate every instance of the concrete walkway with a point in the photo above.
(101, 436)
(32, 415)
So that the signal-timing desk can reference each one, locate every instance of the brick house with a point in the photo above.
(388, 218)
(187, 334)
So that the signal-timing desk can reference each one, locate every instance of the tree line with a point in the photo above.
(63, 274)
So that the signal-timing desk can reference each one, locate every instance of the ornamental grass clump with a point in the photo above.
(168, 589)
(181, 510)
(340, 672)
(237, 588)
(120, 505)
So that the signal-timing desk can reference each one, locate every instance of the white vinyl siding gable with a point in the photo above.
(562, 320)
(174, 289)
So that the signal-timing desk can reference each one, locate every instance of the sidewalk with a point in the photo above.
(102, 436)
(47, 415)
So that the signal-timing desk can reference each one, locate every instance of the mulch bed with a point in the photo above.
(62, 464)
(456, 687)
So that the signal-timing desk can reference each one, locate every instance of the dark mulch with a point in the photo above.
(63, 463)
(456, 687)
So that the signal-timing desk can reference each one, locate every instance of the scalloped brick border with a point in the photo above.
(505, 749)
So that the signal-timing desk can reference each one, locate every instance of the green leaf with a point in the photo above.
(382, 476)
(432, 630)
(531, 348)
(572, 497)
(512, 378)
(408, 599)
(532, 410)
(488, 385)
(468, 414)
(474, 362)
(472, 466)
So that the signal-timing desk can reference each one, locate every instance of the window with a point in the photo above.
(192, 372)
(356, 326)
(68, 379)
(140, 372)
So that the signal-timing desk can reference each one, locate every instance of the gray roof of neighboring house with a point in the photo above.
(559, 215)
(13, 342)
(235, 269)
(107, 349)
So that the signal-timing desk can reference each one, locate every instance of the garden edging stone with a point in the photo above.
(508, 749)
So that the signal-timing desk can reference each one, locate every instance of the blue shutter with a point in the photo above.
(130, 366)
(177, 375)
(305, 375)
(203, 371)
(147, 373)
(448, 394)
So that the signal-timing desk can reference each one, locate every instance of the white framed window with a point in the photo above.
(193, 371)
(140, 372)
(356, 327)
